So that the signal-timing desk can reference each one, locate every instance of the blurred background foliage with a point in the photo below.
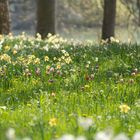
(81, 19)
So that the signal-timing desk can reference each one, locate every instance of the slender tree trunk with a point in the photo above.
(4, 17)
(45, 17)
(138, 5)
(108, 28)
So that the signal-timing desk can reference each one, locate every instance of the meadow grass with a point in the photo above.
(46, 86)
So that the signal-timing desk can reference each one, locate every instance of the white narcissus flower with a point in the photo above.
(136, 136)
(121, 137)
(10, 134)
(85, 122)
(46, 48)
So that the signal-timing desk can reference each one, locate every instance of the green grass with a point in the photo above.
(91, 81)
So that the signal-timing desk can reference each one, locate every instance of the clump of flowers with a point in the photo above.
(103, 135)
(71, 137)
(85, 122)
(10, 134)
(53, 122)
(46, 58)
(5, 57)
(124, 108)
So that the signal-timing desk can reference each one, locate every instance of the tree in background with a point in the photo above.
(108, 27)
(4, 17)
(133, 6)
(45, 17)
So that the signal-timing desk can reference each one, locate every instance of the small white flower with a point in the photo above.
(10, 134)
(16, 47)
(96, 59)
(46, 48)
(26, 138)
(121, 137)
(67, 137)
(80, 138)
(63, 51)
(3, 107)
(85, 122)
(103, 135)
(88, 62)
(136, 136)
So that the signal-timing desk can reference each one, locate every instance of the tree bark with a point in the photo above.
(138, 5)
(108, 28)
(45, 17)
(4, 17)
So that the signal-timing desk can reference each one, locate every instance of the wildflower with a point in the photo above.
(80, 138)
(133, 74)
(37, 61)
(53, 122)
(136, 70)
(27, 72)
(59, 72)
(121, 80)
(26, 138)
(68, 60)
(14, 52)
(59, 59)
(51, 81)
(66, 54)
(131, 81)
(63, 51)
(96, 59)
(121, 137)
(3, 107)
(51, 69)
(6, 48)
(10, 36)
(87, 86)
(58, 66)
(37, 71)
(92, 76)
(53, 94)
(46, 58)
(48, 68)
(46, 48)
(124, 108)
(49, 35)
(6, 58)
(136, 136)
(67, 137)
(54, 58)
(87, 66)
(103, 135)
(85, 122)
(113, 40)
(38, 36)
(10, 134)
(62, 57)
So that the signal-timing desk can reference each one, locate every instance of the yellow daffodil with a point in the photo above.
(46, 58)
(53, 122)
(124, 108)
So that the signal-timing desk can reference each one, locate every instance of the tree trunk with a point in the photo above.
(138, 5)
(108, 28)
(4, 17)
(45, 17)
